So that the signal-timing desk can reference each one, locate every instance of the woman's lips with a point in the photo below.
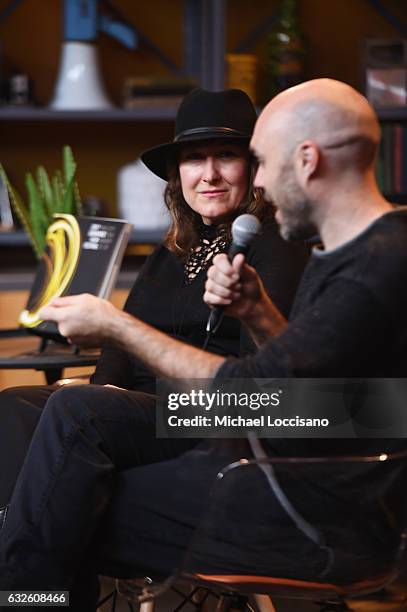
(212, 194)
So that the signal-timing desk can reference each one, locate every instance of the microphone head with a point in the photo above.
(245, 228)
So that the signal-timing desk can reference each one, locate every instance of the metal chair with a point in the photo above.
(21, 350)
(362, 500)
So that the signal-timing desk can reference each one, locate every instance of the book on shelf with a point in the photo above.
(82, 255)
(155, 92)
(391, 168)
(6, 216)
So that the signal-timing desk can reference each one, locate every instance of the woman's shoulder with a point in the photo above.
(160, 255)
(160, 264)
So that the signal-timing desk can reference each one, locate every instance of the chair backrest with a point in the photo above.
(356, 505)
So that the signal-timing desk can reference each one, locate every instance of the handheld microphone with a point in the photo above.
(245, 228)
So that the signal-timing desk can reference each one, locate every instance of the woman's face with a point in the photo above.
(214, 178)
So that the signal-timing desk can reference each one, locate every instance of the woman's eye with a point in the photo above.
(232, 154)
(226, 154)
(192, 157)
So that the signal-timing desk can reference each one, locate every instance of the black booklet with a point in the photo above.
(82, 255)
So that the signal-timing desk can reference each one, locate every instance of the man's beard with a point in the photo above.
(295, 211)
(297, 224)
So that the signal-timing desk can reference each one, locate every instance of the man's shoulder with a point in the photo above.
(386, 243)
(390, 227)
(385, 237)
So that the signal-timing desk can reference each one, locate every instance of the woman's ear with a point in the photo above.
(306, 161)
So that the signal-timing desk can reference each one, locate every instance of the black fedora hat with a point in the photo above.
(205, 115)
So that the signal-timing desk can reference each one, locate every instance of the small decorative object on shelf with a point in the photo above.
(20, 89)
(141, 197)
(242, 73)
(6, 216)
(386, 72)
(79, 85)
(45, 197)
(286, 49)
(155, 92)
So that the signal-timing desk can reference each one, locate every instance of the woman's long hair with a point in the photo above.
(184, 233)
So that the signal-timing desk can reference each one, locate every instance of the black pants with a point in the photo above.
(20, 411)
(99, 494)
(77, 508)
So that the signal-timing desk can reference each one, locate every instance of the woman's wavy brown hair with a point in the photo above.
(184, 233)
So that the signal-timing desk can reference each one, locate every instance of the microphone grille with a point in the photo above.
(245, 228)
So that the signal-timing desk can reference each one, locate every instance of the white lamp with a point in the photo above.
(79, 85)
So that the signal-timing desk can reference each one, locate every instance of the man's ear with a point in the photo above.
(306, 161)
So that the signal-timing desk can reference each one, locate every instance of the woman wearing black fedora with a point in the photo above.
(82, 473)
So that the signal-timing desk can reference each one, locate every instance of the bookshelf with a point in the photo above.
(392, 161)
(19, 238)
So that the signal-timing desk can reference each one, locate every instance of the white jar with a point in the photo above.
(141, 197)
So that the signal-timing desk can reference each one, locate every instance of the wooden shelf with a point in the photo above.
(33, 114)
(392, 114)
(19, 238)
(147, 113)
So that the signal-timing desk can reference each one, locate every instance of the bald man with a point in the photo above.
(316, 145)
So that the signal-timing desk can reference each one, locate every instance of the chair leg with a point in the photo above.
(147, 606)
(237, 602)
(200, 598)
(224, 604)
(264, 603)
(333, 606)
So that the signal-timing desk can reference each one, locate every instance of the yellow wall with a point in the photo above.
(30, 39)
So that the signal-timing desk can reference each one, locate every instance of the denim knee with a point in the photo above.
(75, 403)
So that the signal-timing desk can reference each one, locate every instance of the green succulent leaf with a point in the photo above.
(45, 189)
(78, 211)
(58, 191)
(68, 164)
(69, 203)
(22, 212)
(39, 216)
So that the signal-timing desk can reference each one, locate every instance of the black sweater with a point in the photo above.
(349, 316)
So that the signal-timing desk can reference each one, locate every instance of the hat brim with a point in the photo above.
(157, 158)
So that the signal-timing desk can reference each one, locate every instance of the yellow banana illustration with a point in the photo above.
(59, 263)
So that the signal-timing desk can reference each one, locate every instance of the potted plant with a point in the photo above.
(45, 197)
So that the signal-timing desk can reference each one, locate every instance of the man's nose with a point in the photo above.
(210, 171)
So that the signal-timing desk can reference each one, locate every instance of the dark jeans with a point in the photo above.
(84, 436)
(20, 411)
(99, 494)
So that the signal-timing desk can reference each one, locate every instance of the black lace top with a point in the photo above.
(212, 242)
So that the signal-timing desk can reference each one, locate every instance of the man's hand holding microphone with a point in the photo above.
(235, 288)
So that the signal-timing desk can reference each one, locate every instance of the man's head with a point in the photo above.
(312, 141)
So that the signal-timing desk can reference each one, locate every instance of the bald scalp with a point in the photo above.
(329, 113)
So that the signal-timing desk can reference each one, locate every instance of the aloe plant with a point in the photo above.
(45, 197)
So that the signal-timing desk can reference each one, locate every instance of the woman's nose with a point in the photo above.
(210, 170)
